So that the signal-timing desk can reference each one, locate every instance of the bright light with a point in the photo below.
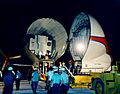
(40, 53)
(80, 47)
(50, 53)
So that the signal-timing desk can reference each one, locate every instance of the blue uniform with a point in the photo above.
(35, 80)
(56, 83)
(8, 83)
(49, 75)
(18, 77)
(65, 83)
(65, 78)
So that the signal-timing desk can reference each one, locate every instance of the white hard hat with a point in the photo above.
(10, 68)
(54, 67)
(55, 70)
(63, 69)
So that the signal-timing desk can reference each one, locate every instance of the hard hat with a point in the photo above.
(63, 69)
(10, 68)
(54, 67)
(55, 70)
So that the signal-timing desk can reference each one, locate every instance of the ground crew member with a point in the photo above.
(65, 83)
(18, 77)
(56, 82)
(35, 80)
(8, 81)
(49, 75)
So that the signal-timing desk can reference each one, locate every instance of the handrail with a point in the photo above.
(68, 71)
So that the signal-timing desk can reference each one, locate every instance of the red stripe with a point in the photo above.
(101, 40)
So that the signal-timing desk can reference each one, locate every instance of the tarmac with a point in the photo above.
(25, 88)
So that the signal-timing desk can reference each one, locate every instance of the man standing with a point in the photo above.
(56, 82)
(18, 77)
(35, 80)
(8, 81)
(65, 83)
(49, 75)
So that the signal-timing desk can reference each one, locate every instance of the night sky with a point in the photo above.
(17, 15)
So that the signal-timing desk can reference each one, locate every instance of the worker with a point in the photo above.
(8, 81)
(49, 75)
(65, 82)
(35, 80)
(29, 74)
(18, 78)
(56, 82)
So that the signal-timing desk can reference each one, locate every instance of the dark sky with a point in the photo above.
(17, 15)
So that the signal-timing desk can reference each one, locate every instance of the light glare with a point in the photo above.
(80, 47)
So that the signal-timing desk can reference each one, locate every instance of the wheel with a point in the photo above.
(99, 87)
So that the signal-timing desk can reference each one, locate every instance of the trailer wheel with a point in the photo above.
(99, 87)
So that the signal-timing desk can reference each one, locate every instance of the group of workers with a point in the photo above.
(57, 81)
(9, 76)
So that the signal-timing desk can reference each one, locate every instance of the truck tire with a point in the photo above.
(99, 87)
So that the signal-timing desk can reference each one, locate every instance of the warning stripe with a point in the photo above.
(101, 40)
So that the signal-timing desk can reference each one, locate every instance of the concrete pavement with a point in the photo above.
(25, 88)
